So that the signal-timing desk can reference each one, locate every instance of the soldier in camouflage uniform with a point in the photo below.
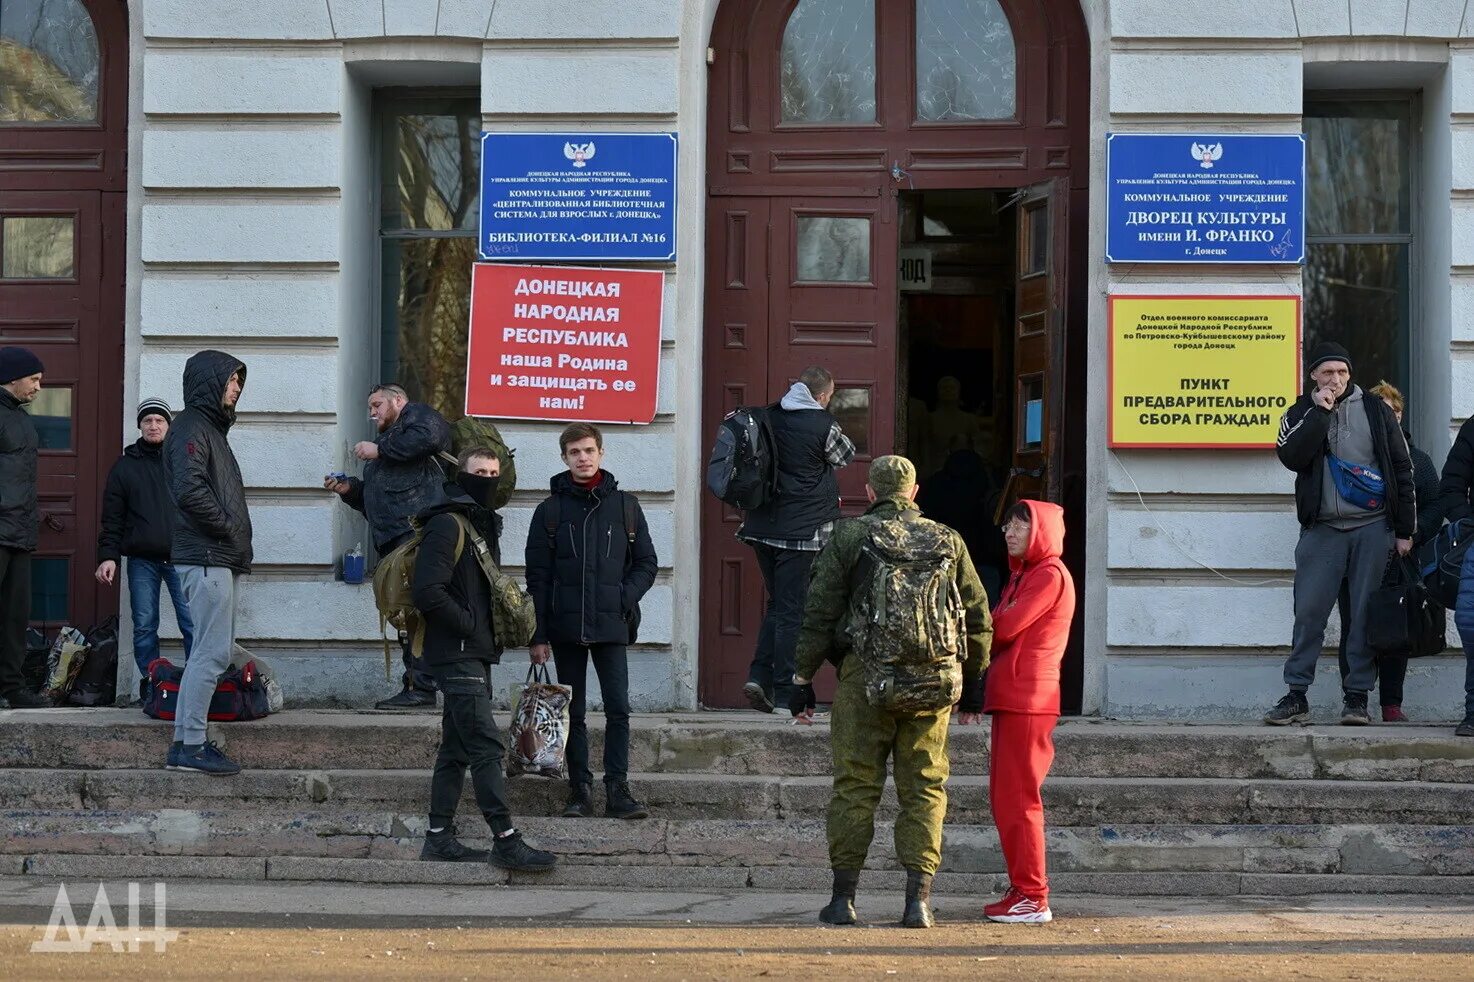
(864, 736)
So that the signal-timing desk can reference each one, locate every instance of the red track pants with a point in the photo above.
(1022, 751)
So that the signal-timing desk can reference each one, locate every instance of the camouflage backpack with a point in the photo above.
(906, 620)
(473, 431)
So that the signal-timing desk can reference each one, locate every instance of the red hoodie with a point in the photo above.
(1032, 622)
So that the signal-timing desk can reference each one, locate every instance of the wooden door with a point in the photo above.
(1039, 356)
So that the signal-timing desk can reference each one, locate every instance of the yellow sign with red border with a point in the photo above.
(1202, 371)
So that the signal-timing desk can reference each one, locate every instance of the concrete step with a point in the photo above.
(746, 743)
(1068, 800)
(1375, 850)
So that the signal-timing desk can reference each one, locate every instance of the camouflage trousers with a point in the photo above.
(862, 739)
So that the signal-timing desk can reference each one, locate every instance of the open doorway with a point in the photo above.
(956, 346)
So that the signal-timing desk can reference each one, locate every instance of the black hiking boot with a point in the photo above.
(1293, 708)
(757, 697)
(619, 803)
(1466, 728)
(1354, 710)
(510, 852)
(841, 909)
(408, 699)
(444, 847)
(26, 699)
(918, 898)
(580, 802)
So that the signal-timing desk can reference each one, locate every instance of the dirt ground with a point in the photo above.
(1094, 938)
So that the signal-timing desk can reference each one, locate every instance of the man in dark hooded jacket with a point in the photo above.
(589, 561)
(453, 595)
(401, 476)
(211, 544)
(20, 518)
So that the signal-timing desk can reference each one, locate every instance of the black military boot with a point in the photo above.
(619, 803)
(580, 801)
(444, 847)
(841, 909)
(918, 896)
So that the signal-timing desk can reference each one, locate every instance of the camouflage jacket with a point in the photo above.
(821, 636)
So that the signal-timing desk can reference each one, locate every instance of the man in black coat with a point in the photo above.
(137, 522)
(1457, 488)
(211, 544)
(453, 596)
(589, 561)
(1330, 437)
(401, 477)
(20, 519)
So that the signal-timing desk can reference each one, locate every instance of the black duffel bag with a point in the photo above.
(1403, 618)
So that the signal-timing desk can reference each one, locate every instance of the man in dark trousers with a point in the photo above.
(589, 561)
(1355, 501)
(20, 519)
(788, 531)
(211, 545)
(1457, 489)
(137, 522)
(401, 477)
(453, 595)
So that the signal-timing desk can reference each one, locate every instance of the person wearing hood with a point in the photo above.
(453, 595)
(210, 544)
(589, 560)
(1456, 489)
(788, 531)
(137, 522)
(897, 684)
(1031, 627)
(20, 518)
(1355, 500)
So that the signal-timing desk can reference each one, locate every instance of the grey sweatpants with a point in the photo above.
(1323, 558)
(209, 593)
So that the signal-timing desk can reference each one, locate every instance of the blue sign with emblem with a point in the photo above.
(578, 196)
(1205, 198)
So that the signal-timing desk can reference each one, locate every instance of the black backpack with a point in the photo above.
(742, 470)
(1445, 566)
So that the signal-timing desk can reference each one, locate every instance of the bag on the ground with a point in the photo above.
(474, 431)
(1445, 565)
(907, 624)
(742, 468)
(1358, 484)
(239, 695)
(1403, 619)
(64, 663)
(552, 517)
(538, 735)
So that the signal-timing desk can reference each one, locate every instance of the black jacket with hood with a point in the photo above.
(1302, 447)
(1458, 475)
(580, 581)
(406, 477)
(20, 517)
(213, 527)
(453, 594)
(137, 513)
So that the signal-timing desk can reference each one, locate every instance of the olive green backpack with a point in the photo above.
(473, 431)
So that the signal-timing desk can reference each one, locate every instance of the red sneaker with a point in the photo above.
(1015, 908)
(1393, 714)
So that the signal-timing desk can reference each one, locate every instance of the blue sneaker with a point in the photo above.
(205, 758)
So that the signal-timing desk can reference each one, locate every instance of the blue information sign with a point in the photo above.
(1197, 198)
(578, 196)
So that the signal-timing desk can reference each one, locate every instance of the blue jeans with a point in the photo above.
(144, 579)
(1464, 619)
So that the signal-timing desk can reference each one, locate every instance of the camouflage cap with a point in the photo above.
(891, 475)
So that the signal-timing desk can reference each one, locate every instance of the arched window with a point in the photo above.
(828, 66)
(965, 62)
(49, 63)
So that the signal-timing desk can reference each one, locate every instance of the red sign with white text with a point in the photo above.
(564, 343)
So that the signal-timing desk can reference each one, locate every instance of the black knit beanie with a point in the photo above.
(154, 407)
(18, 363)
(1327, 351)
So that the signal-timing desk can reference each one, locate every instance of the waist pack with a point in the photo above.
(1444, 567)
(906, 619)
(1358, 484)
(241, 693)
(1403, 619)
(538, 734)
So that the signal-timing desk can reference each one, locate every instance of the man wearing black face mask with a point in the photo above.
(454, 598)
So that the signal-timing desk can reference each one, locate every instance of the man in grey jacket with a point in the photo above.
(1355, 501)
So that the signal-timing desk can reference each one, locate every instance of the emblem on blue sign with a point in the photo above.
(579, 153)
(1206, 153)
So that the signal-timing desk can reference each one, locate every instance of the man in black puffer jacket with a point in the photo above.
(212, 544)
(137, 521)
(1457, 487)
(589, 561)
(453, 595)
(20, 518)
(401, 477)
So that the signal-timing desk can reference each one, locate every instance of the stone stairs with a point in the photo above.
(738, 800)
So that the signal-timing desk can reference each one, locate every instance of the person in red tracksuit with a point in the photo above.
(1031, 626)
